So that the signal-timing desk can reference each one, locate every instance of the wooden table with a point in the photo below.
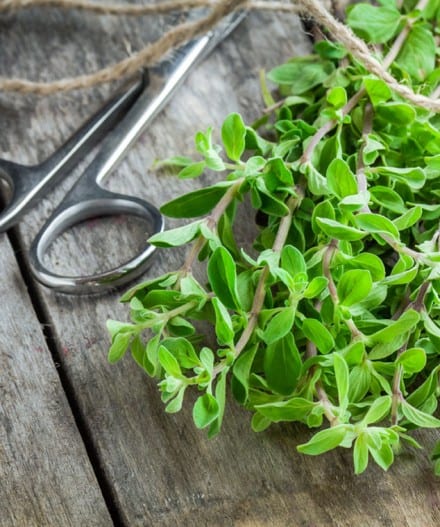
(83, 443)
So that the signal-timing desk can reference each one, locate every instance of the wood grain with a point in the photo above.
(45, 474)
(162, 470)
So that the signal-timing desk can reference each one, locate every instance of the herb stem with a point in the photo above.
(211, 221)
(326, 261)
(417, 305)
(167, 315)
(361, 178)
(328, 127)
(363, 186)
(257, 304)
(397, 395)
(311, 351)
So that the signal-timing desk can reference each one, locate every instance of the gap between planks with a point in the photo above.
(84, 432)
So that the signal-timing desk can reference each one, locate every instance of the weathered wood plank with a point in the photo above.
(46, 477)
(163, 471)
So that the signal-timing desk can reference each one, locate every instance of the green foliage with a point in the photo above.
(336, 318)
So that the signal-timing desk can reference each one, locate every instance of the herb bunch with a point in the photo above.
(335, 317)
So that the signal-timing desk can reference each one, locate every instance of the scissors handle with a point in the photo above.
(28, 183)
(97, 202)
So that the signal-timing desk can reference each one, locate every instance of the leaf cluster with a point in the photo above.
(335, 317)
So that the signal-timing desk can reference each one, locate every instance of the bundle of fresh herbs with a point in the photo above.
(335, 316)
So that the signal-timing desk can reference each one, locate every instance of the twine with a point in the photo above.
(164, 7)
(177, 36)
(360, 51)
(107, 9)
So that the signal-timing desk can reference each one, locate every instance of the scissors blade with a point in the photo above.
(163, 82)
(208, 42)
(30, 183)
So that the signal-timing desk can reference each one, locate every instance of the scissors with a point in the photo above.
(117, 126)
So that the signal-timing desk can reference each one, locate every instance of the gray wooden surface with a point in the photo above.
(93, 440)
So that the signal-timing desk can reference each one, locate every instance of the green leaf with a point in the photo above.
(413, 177)
(372, 148)
(355, 202)
(282, 365)
(383, 456)
(431, 327)
(417, 55)
(192, 171)
(264, 200)
(205, 410)
(412, 360)
(354, 286)
(376, 223)
(210, 151)
(360, 377)
(341, 180)
(119, 346)
(379, 409)
(388, 198)
(151, 359)
(169, 362)
(338, 230)
(114, 327)
(233, 136)
(404, 324)
(197, 203)
(317, 333)
(330, 50)
(295, 409)
(138, 350)
(259, 422)
(220, 396)
(408, 219)
(369, 262)
(375, 24)
(301, 75)
(337, 97)
(222, 276)
(223, 323)
(324, 441)
(425, 390)
(342, 379)
(360, 453)
(292, 260)
(175, 405)
(207, 359)
(397, 113)
(279, 325)
(432, 166)
(378, 90)
(315, 287)
(175, 161)
(405, 277)
(278, 172)
(176, 237)
(241, 372)
(418, 417)
(316, 181)
(182, 350)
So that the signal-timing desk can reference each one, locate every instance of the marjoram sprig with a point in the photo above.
(334, 315)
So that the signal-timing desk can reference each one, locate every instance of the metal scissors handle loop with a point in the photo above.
(100, 202)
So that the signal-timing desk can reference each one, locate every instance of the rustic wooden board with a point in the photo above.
(163, 471)
(46, 477)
